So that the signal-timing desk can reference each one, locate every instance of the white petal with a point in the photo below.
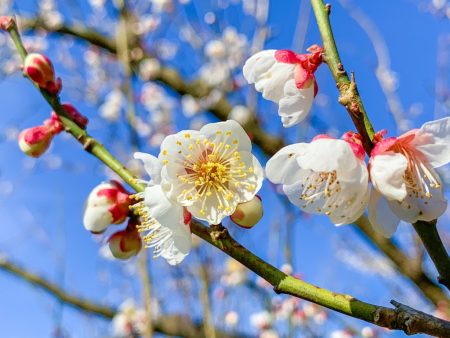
(97, 219)
(271, 84)
(438, 150)
(255, 178)
(381, 216)
(180, 247)
(295, 104)
(152, 166)
(237, 134)
(420, 207)
(327, 155)
(386, 172)
(258, 64)
(161, 208)
(283, 167)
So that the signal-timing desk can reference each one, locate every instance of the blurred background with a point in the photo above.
(185, 69)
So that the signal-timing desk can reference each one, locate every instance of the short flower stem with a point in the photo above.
(400, 318)
(350, 98)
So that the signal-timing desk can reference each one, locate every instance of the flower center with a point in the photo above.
(212, 170)
(418, 177)
(321, 187)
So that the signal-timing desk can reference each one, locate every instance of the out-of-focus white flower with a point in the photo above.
(231, 319)
(287, 269)
(341, 334)
(406, 186)
(327, 176)
(112, 106)
(190, 105)
(106, 204)
(240, 114)
(132, 320)
(215, 74)
(269, 334)
(215, 49)
(165, 223)
(149, 69)
(235, 273)
(162, 5)
(212, 170)
(368, 332)
(287, 79)
(261, 320)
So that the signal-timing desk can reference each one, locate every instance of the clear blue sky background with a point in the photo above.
(41, 215)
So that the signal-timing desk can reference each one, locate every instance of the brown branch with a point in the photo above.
(171, 325)
(401, 318)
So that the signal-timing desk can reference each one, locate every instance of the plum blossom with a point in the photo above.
(40, 70)
(165, 222)
(131, 320)
(286, 78)
(106, 204)
(249, 213)
(212, 170)
(406, 186)
(327, 176)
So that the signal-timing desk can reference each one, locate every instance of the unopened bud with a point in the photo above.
(40, 69)
(6, 22)
(249, 213)
(126, 243)
(75, 115)
(107, 204)
(36, 140)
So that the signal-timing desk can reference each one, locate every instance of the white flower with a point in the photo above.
(165, 222)
(406, 186)
(212, 170)
(261, 320)
(240, 114)
(287, 79)
(323, 177)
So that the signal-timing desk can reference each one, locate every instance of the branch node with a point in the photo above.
(328, 8)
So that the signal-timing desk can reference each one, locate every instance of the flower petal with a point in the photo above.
(381, 216)
(166, 212)
(247, 186)
(152, 166)
(437, 150)
(271, 84)
(283, 167)
(179, 248)
(295, 104)
(386, 172)
(230, 132)
(258, 64)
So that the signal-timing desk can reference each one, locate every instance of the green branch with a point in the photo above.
(350, 98)
(400, 318)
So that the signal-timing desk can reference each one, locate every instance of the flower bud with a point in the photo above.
(36, 140)
(75, 115)
(249, 213)
(107, 204)
(6, 22)
(40, 69)
(126, 243)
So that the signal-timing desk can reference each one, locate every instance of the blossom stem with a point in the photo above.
(400, 318)
(349, 96)
(429, 235)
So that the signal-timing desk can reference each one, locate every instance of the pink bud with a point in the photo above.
(36, 140)
(6, 22)
(75, 115)
(40, 69)
(55, 123)
(126, 243)
(355, 141)
(107, 204)
(249, 213)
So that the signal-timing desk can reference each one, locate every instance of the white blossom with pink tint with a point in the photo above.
(165, 223)
(327, 176)
(286, 78)
(406, 186)
(212, 170)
